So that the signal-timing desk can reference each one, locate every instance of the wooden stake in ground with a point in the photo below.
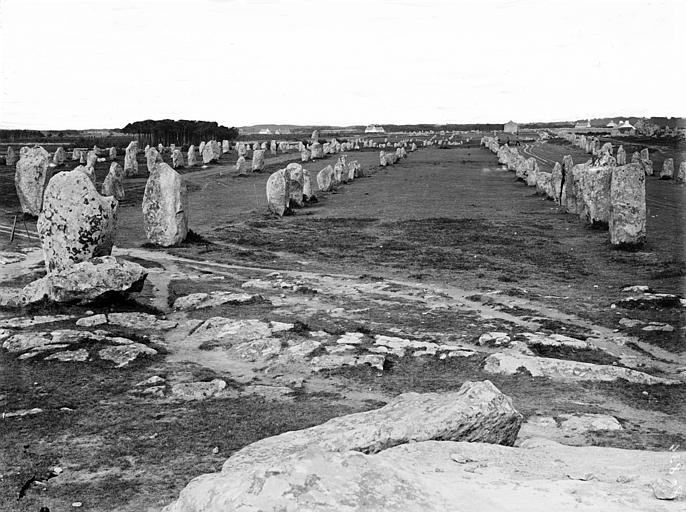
(14, 225)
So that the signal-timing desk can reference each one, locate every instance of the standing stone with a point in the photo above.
(152, 158)
(627, 206)
(308, 195)
(242, 150)
(75, 154)
(192, 156)
(304, 155)
(681, 175)
(296, 185)
(160, 149)
(315, 136)
(114, 182)
(556, 181)
(113, 153)
(258, 160)
(636, 158)
(667, 172)
(570, 198)
(226, 147)
(31, 178)
(82, 158)
(177, 159)
(317, 150)
(532, 171)
(382, 159)
(595, 195)
(60, 156)
(645, 154)
(207, 153)
(216, 149)
(544, 184)
(325, 179)
(11, 157)
(165, 207)
(91, 160)
(130, 162)
(621, 156)
(278, 192)
(272, 147)
(76, 223)
(201, 148)
(242, 165)
(263, 146)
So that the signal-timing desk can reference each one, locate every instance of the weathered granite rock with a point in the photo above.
(564, 370)
(140, 321)
(296, 185)
(207, 153)
(152, 158)
(308, 195)
(122, 355)
(60, 156)
(165, 207)
(192, 159)
(571, 191)
(241, 149)
(213, 299)
(114, 182)
(621, 156)
(325, 179)
(278, 192)
(31, 178)
(226, 147)
(76, 223)
(130, 162)
(594, 204)
(532, 171)
(177, 159)
(216, 149)
(305, 155)
(627, 221)
(556, 182)
(544, 184)
(198, 390)
(354, 170)
(112, 153)
(442, 476)
(316, 151)
(681, 176)
(667, 172)
(10, 157)
(477, 413)
(242, 165)
(86, 281)
(258, 160)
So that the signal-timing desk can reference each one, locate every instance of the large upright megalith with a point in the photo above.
(296, 185)
(130, 161)
(177, 159)
(192, 156)
(627, 221)
(76, 223)
(571, 194)
(594, 199)
(60, 156)
(278, 192)
(207, 153)
(316, 151)
(325, 179)
(31, 178)
(113, 153)
(242, 165)
(258, 160)
(556, 181)
(152, 158)
(667, 172)
(165, 207)
(114, 182)
(621, 156)
(10, 157)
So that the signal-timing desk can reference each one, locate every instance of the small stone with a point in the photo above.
(91, 321)
(666, 489)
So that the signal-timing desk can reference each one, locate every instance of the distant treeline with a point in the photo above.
(182, 132)
(441, 127)
(20, 135)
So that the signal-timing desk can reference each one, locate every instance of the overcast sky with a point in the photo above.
(104, 63)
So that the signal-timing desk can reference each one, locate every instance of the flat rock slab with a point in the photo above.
(563, 370)
(122, 355)
(213, 299)
(22, 322)
(135, 320)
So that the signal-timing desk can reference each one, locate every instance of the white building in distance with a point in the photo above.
(373, 128)
(511, 127)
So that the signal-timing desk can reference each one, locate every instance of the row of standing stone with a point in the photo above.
(599, 193)
(592, 145)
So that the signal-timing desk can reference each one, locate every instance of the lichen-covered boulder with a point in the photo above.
(278, 192)
(76, 223)
(325, 179)
(114, 182)
(130, 161)
(33, 172)
(258, 160)
(627, 206)
(165, 207)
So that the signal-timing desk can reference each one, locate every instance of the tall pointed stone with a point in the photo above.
(165, 207)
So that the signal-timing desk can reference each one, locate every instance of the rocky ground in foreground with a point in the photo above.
(244, 334)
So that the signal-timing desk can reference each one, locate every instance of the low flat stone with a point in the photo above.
(563, 370)
(589, 422)
(213, 299)
(331, 361)
(122, 355)
(136, 321)
(80, 355)
(7, 257)
(198, 390)
(93, 320)
(22, 322)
